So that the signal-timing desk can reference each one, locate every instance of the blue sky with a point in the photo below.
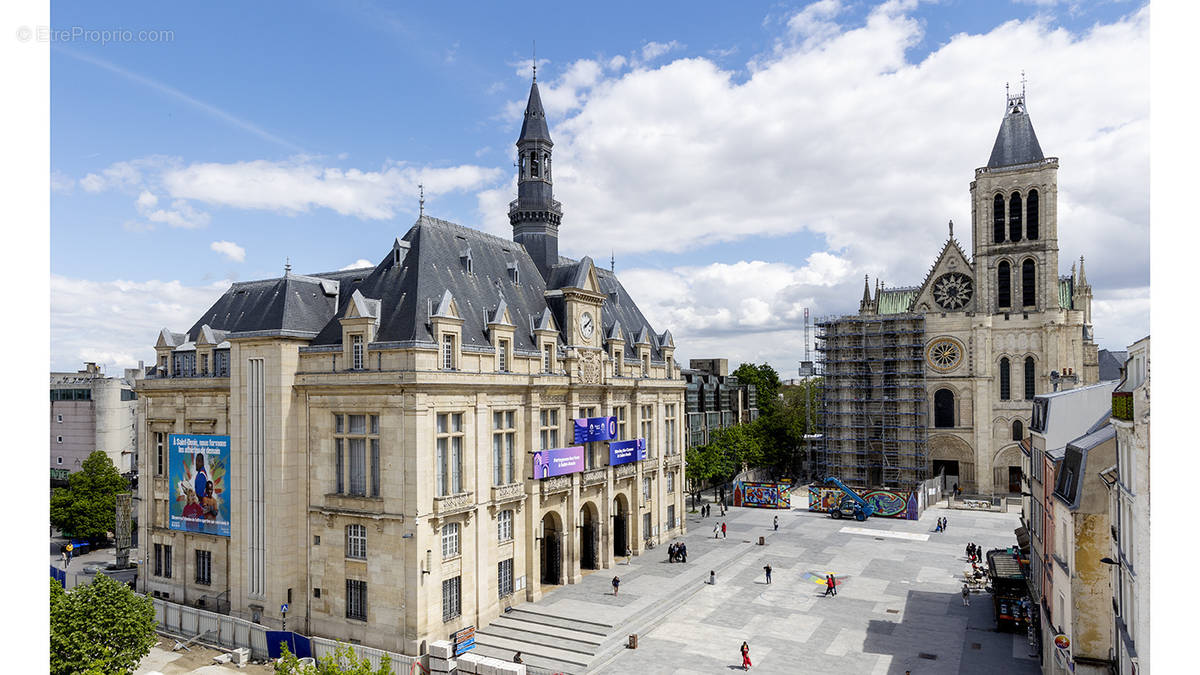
(740, 160)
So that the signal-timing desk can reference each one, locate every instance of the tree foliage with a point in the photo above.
(344, 661)
(103, 627)
(765, 380)
(87, 506)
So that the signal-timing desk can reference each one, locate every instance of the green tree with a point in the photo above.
(100, 628)
(87, 506)
(765, 380)
(736, 448)
(344, 661)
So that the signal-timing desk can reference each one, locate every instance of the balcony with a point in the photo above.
(1122, 405)
(595, 476)
(556, 484)
(508, 493)
(452, 504)
(624, 470)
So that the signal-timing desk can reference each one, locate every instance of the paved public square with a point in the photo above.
(898, 608)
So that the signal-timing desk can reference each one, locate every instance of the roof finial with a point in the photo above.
(952, 228)
(535, 61)
(1022, 85)
(287, 266)
(421, 199)
(612, 261)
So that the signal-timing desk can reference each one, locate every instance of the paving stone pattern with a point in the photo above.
(899, 607)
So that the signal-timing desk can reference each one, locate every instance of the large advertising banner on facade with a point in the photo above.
(624, 452)
(589, 429)
(557, 462)
(199, 483)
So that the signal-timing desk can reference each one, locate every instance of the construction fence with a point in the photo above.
(228, 632)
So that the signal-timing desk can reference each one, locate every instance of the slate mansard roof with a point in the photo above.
(409, 284)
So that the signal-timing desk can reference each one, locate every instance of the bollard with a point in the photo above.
(762, 541)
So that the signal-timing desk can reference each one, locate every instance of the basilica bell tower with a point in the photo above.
(1014, 215)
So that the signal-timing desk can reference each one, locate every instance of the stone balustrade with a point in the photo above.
(508, 493)
(452, 504)
(556, 484)
(595, 476)
(624, 470)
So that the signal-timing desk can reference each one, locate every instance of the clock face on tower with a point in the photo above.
(952, 290)
(587, 325)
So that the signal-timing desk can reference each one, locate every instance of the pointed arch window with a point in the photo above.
(1014, 217)
(1018, 430)
(1029, 378)
(1031, 215)
(534, 164)
(998, 220)
(943, 408)
(1028, 283)
(1005, 380)
(1004, 284)
(546, 164)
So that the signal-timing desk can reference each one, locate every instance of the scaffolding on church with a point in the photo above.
(873, 408)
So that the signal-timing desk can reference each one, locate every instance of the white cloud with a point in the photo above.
(653, 50)
(293, 187)
(230, 250)
(146, 200)
(838, 133)
(115, 323)
(359, 264)
(61, 182)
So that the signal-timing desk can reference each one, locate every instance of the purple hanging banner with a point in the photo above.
(557, 462)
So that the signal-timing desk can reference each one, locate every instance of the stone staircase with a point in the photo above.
(574, 645)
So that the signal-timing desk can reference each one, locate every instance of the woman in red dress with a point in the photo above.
(746, 657)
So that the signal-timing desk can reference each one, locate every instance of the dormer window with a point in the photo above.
(547, 358)
(646, 366)
(204, 364)
(617, 359)
(513, 274)
(356, 342)
(502, 356)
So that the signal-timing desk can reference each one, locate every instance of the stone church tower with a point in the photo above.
(535, 215)
(1002, 325)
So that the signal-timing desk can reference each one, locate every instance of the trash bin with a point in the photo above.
(762, 541)
(633, 641)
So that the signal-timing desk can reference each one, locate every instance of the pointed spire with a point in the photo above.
(421, 197)
(1082, 274)
(1016, 143)
(866, 289)
(287, 267)
(534, 127)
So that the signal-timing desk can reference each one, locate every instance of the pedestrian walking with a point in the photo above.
(776, 523)
(834, 583)
(945, 522)
(746, 657)
(828, 585)
(723, 533)
(767, 569)
(616, 585)
(63, 555)
(716, 530)
(683, 551)
(712, 577)
(970, 552)
(966, 593)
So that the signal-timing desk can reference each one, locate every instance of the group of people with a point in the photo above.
(706, 510)
(719, 531)
(974, 553)
(677, 552)
(941, 525)
(830, 585)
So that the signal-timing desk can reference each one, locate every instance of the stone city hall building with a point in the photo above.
(383, 424)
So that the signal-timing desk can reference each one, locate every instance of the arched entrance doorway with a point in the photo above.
(589, 537)
(1006, 469)
(952, 457)
(620, 525)
(552, 545)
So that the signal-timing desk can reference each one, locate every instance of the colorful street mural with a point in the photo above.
(762, 495)
(818, 578)
(888, 504)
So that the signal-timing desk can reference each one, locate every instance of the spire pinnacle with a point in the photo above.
(421, 197)
(612, 261)
(535, 61)
(952, 229)
(287, 266)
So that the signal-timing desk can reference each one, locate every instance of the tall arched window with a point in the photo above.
(1018, 430)
(1005, 380)
(1029, 378)
(1014, 217)
(1031, 215)
(1004, 284)
(943, 408)
(534, 163)
(1028, 283)
(998, 219)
